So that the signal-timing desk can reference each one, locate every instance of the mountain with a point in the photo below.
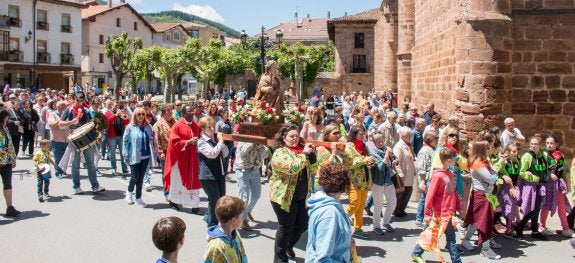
(177, 16)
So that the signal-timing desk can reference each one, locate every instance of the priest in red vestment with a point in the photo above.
(182, 165)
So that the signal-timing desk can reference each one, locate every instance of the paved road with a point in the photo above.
(103, 228)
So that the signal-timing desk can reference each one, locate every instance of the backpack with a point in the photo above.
(118, 126)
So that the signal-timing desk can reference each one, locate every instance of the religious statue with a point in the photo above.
(269, 88)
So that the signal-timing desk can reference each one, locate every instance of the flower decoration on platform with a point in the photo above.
(293, 115)
(241, 113)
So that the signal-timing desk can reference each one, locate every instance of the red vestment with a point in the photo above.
(187, 159)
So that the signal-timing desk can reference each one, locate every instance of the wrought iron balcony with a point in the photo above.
(67, 28)
(43, 57)
(67, 59)
(16, 56)
(40, 25)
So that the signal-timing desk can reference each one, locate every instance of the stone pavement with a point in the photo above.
(103, 228)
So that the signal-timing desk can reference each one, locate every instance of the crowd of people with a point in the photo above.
(372, 152)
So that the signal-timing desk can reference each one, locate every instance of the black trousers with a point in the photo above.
(137, 177)
(16, 142)
(533, 215)
(403, 199)
(214, 189)
(292, 225)
(28, 141)
(571, 218)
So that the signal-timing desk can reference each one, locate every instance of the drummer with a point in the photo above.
(78, 111)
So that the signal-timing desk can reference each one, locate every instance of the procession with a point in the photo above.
(377, 139)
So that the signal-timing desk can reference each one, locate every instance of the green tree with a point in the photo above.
(144, 65)
(173, 63)
(120, 50)
(212, 65)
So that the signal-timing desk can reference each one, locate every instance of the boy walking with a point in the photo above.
(42, 157)
(224, 241)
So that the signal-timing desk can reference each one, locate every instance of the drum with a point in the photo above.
(84, 137)
(44, 170)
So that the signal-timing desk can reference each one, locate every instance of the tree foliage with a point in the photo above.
(120, 50)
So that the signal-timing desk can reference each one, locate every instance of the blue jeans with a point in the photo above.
(114, 143)
(369, 202)
(451, 245)
(89, 158)
(148, 173)
(58, 149)
(103, 144)
(420, 207)
(250, 187)
(136, 180)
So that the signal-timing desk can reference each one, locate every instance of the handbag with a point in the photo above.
(398, 183)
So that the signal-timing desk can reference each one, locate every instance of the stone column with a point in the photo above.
(386, 77)
(406, 36)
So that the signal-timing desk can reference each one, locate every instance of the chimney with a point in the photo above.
(295, 19)
(110, 3)
(123, 1)
(345, 14)
(308, 19)
(328, 14)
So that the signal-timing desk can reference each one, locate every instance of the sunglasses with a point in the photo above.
(453, 135)
(141, 114)
(178, 105)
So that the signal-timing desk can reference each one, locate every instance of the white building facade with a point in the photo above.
(40, 43)
(100, 22)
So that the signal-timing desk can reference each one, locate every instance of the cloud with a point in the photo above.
(205, 11)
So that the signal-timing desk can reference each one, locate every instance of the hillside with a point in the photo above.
(177, 16)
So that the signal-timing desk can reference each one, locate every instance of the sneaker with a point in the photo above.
(539, 235)
(290, 253)
(60, 176)
(546, 232)
(567, 233)
(140, 203)
(47, 196)
(174, 206)
(467, 244)
(148, 187)
(251, 217)
(368, 212)
(12, 212)
(129, 198)
(572, 242)
(99, 189)
(494, 244)
(417, 259)
(41, 198)
(246, 226)
(388, 228)
(490, 254)
(378, 231)
(419, 224)
(361, 235)
(78, 191)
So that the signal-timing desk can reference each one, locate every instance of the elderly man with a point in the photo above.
(429, 113)
(511, 134)
(59, 131)
(405, 170)
(416, 139)
(389, 130)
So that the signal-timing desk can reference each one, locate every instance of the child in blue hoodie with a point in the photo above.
(329, 229)
(224, 241)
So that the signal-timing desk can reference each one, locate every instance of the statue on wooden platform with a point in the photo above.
(269, 88)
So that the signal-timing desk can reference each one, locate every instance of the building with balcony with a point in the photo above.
(99, 22)
(353, 37)
(39, 44)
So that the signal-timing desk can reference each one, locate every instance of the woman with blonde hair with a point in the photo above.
(139, 149)
(211, 153)
(333, 151)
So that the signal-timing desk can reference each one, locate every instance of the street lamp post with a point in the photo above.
(263, 44)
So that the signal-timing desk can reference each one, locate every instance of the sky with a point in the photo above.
(250, 15)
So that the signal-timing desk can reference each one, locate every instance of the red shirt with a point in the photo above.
(110, 132)
(441, 195)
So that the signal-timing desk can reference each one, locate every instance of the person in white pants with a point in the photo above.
(383, 186)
